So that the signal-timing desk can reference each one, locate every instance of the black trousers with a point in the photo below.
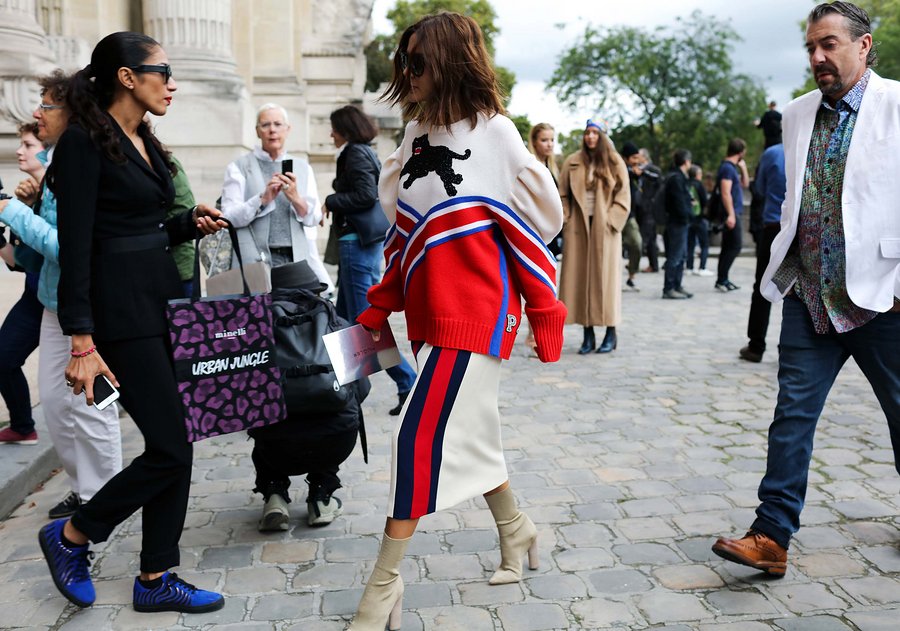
(159, 480)
(760, 308)
(319, 457)
(731, 248)
(648, 236)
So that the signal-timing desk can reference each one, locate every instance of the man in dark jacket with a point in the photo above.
(678, 216)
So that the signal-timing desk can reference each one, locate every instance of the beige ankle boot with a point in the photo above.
(382, 600)
(518, 535)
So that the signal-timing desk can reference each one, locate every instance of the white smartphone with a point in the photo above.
(104, 392)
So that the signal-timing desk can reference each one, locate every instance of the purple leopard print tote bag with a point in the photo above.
(224, 352)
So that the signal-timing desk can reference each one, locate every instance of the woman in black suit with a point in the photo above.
(360, 225)
(113, 183)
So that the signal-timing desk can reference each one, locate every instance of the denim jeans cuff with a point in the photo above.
(773, 532)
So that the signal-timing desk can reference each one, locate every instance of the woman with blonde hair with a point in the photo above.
(472, 210)
(596, 199)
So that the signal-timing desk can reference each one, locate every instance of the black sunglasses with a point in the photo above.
(415, 63)
(163, 69)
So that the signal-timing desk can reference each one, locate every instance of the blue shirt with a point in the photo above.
(771, 183)
(728, 171)
(39, 233)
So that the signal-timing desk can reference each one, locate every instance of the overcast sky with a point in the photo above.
(530, 42)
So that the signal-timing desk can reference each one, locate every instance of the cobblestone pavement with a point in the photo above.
(631, 464)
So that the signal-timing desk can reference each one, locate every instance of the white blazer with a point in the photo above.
(870, 199)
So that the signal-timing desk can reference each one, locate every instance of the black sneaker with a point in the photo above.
(750, 355)
(401, 399)
(69, 504)
(630, 284)
(174, 594)
(680, 290)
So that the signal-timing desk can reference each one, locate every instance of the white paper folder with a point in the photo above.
(355, 354)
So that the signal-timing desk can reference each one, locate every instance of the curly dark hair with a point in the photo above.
(56, 84)
(93, 89)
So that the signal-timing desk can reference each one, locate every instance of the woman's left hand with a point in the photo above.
(207, 219)
(289, 188)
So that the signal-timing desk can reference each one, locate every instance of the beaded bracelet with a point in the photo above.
(92, 349)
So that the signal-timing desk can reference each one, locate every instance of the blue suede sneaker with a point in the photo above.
(173, 594)
(68, 565)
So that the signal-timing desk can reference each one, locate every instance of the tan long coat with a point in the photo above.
(591, 278)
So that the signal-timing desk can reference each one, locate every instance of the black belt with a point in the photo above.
(120, 245)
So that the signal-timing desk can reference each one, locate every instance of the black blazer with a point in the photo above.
(111, 284)
(355, 194)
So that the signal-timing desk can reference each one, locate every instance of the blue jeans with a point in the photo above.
(676, 246)
(19, 336)
(808, 364)
(698, 232)
(360, 268)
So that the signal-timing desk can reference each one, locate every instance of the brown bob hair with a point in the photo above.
(351, 123)
(465, 84)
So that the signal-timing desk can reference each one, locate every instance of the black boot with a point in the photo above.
(608, 344)
(589, 341)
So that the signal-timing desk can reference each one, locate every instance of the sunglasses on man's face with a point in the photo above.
(164, 69)
(415, 63)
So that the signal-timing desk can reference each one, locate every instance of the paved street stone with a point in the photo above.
(532, 617)
(812, 623)
(687, 577)
(630, 464)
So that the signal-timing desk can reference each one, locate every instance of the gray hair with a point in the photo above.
(856, 18)
(265, 107)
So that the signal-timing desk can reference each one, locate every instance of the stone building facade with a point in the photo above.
(228, 58)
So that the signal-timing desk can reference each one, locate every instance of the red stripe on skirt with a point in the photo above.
(431, 413)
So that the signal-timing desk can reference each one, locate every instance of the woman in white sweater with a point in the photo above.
(472, 210)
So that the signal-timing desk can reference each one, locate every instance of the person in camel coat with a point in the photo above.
(596, 199)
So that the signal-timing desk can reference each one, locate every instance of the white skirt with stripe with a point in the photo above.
(447, 446)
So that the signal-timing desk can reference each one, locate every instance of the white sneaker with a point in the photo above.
(322, 511)
(704, 272)
(275, 514)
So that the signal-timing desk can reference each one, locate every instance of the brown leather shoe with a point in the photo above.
(756, 550)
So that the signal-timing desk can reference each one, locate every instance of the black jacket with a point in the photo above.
(116, 269)
(355, 200)
(678, 199)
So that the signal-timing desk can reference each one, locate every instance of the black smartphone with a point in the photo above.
(104, 392)
(287, 166)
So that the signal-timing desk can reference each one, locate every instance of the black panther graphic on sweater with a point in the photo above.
(427, 158)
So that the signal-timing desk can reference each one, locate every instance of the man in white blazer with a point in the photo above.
(835, 262)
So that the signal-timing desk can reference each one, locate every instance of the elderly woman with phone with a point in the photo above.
(270, 196)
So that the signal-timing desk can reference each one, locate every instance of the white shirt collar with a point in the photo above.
(340, 150)
(262, 155)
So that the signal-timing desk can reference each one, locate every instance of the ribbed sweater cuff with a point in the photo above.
(547, 325)
(373, 318)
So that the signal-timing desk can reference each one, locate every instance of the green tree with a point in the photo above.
(379, 52)
(669, 87)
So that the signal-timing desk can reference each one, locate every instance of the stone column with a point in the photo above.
(333, 68)
(196, 35)
(211, 119)
(23, 56)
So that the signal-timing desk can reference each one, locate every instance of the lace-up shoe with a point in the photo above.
(66, 507)
(68, 565)
(174, 594)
